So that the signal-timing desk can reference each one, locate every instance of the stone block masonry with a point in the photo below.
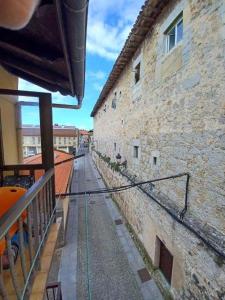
(174, 119)
(198, 272)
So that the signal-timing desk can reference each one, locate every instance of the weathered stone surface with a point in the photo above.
(179, 118)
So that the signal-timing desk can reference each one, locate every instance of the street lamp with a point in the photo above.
(118, 158)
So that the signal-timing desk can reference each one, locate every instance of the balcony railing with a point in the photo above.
(32, 215)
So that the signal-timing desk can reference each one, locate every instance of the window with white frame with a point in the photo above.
(174, 34)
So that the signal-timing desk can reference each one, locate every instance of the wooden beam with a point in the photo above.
(36, 71)
(46, 130)
(26, 167)
(22, 93)
(19, 52)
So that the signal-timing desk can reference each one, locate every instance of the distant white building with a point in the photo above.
(65, 138)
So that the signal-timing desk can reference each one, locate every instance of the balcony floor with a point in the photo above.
(113, 260)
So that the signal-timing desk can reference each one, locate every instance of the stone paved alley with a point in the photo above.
(99, 261)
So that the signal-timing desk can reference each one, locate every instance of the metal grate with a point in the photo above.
(118, 222)
(144, 275)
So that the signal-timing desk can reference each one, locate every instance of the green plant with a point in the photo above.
(113, 165)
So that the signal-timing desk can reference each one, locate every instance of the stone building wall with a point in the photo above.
(198, 272)
(175, 114)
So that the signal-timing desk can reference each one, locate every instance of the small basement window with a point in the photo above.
(174, 34)
(136, 150)
(137, 71)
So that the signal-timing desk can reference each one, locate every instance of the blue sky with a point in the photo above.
(108, 27)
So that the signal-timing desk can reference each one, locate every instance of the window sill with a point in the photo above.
(171, 52)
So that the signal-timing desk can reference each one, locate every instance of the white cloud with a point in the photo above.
(27, 86)
(99, 75)
(109, 25)
(98, 87)
(97, 79)
(56, 97)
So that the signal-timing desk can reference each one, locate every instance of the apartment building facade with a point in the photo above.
(65, 138)
(163, 111)
(84, 137)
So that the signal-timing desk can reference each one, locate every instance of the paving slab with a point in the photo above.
(105, 263)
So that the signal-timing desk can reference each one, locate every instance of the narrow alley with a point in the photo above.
(100, 260)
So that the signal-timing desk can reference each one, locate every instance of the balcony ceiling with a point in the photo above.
(50, 50)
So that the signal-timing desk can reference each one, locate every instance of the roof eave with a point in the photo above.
(144, 23)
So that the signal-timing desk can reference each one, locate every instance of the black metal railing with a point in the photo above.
(32, 214)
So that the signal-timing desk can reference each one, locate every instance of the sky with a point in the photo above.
(109, 23)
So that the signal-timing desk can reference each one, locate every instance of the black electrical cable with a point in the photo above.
(139, 185)
(121, 188)
(182, 222)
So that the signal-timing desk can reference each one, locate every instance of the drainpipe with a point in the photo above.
(73, 21)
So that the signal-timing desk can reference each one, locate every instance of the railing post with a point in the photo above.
(12, 267)
(46, 127)
(3, 290)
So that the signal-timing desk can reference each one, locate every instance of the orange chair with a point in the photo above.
(8, 197)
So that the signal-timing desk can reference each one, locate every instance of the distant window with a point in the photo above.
(137, 71)
(155, 160)
(174, 34)
(114, 102)
(136, 150)
(114, 146)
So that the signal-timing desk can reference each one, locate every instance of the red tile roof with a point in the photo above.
(63, 172)
(83, 132)
(57, 131)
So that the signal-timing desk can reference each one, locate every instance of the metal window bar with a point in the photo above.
(44, 201)
(22, 248)
(31, 235)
